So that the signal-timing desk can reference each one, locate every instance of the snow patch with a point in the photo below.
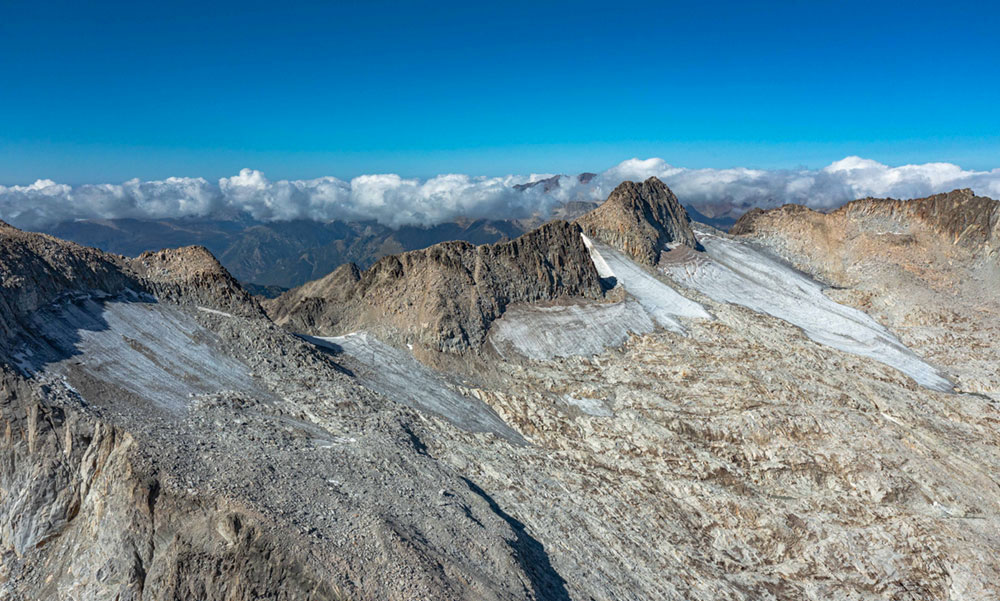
(593, 407)
(214, 312)
(568, 330)
(151, 350)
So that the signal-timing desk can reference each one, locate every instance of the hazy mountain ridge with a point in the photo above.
(285, 254)
(279, 253)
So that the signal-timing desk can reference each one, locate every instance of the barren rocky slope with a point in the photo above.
(444, 297)
(179, 447)
(182, 446)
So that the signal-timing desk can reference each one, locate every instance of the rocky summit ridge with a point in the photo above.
(960, 216)
(640, 219)
(446, 296)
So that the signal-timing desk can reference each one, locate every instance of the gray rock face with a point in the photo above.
(444, 297)
(640, 219)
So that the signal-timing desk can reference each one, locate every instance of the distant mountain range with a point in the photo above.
(269, 257)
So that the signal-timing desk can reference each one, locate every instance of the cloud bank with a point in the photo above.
(396, 201)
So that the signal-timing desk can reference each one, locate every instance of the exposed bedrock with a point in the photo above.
(444, 297)
(640, 219)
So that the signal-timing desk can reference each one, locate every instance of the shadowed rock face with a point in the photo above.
(36, 269)
(640, 219)
(444, 297)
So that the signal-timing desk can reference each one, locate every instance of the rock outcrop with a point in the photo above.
(959, 216)
(444, 297)
(640, 219)
(193, 275)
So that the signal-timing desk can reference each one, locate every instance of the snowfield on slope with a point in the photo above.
(588, 328)
(152, 350)
(398, 376)
(736, 272)
(664, 304)
(567, 330)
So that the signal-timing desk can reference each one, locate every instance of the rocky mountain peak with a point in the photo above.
(641, 219)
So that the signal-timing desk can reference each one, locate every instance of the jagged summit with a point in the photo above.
(446, 296)
(641, 219)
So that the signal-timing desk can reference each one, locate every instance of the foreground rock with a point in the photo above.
(164, 440)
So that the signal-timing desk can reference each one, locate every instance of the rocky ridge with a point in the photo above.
(192, 275)
(444, 297)
(739, 462)
(220, 494)
(36, 270)
(959, 216)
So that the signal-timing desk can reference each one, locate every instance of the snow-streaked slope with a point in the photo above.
(152, 350)
(738, 273)
(664, 304)
(396, 375)
(568, 330)
(587, 328)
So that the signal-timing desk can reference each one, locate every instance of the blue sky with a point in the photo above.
(121, 90)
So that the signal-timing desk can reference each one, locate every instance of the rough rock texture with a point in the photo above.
(740, 462)
(444, 297)
(640, 219)
(928, 268)
(192, 275)
(302, 485)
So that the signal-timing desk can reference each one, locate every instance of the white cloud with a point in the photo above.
(396, 201)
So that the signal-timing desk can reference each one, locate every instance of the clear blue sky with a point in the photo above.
(140, 89)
